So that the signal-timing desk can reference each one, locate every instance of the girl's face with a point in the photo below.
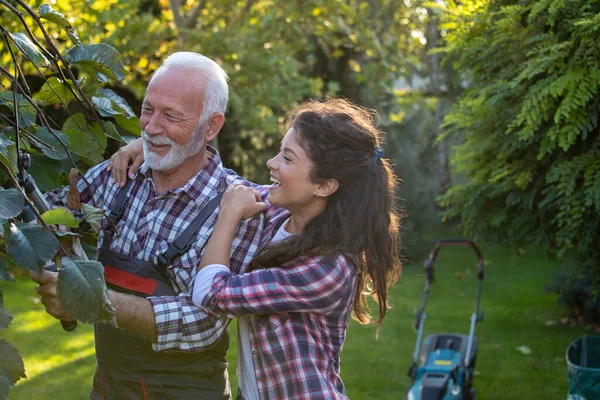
(292, 188)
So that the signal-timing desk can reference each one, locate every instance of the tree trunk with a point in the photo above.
(438, 88)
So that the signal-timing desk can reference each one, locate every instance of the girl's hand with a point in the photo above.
(241, 202)
(126, 162)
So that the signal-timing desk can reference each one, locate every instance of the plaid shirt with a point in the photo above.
(150, 222)
(297, 317)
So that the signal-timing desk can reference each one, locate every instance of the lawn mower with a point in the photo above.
(443, 368)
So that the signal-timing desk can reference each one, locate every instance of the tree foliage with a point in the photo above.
(529, 121)
(71, 79)
(277, 53)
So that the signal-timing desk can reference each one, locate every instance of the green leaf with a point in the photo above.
(5, 316)
(27, 47)
(96, 58)
(4, 272)
(131, 125)
(82, 291)
(11, 363)
(60, 216)
(72, 242)
(10, 159)
(104, 106)
(30, 246)
(48, 13)
(57, 151)
(102, 78)
(4, 143)
(47, 171)
(27, 112)
(84, 138)
(118, 101)
(111, 131)
(93, 216)
(11, 203)
(55, 91)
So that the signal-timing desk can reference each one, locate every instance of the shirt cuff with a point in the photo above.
(169, 316)
(203, 281)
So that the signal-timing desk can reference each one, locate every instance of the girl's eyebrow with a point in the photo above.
(288, 150)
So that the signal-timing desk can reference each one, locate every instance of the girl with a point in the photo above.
(330, 239)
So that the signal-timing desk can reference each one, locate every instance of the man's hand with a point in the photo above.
(47, 290)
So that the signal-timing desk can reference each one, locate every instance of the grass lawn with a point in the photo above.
(60, 365)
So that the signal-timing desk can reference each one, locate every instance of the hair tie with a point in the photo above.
(378, 152)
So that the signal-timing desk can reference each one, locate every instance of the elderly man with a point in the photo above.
(165, 347)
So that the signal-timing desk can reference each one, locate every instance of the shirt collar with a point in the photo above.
(205, 183)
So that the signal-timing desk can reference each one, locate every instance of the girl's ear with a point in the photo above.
(327, 188)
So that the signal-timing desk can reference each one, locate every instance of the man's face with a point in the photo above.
(170, 118)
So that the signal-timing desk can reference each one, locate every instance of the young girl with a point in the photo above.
(330, 238)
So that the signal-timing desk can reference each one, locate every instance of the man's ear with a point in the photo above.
(215, 123)
(327, 188)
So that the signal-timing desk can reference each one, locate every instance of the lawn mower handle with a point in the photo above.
(453, 242)
(430, 277)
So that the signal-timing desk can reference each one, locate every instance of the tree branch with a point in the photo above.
(191, 19)
(83, 97)
(177, 15)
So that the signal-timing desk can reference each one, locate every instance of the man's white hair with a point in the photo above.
(216, 92)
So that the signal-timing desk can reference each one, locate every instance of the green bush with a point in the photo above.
(529, 124)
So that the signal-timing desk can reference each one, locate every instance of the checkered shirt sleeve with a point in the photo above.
(308, 285)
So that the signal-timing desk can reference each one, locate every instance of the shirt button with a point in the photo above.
(258, 379)
(253, 352)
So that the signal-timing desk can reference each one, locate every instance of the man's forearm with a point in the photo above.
(134, 314)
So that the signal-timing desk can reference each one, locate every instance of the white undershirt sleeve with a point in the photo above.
(203, 281)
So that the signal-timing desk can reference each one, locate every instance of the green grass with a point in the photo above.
(60, 365)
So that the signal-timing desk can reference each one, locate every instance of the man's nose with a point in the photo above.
(153, 127)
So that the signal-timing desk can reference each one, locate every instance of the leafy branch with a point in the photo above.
(79, 143)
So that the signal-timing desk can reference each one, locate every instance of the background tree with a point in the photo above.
(529, 122)
(279, 53)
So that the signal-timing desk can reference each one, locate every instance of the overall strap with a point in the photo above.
(188, 237)
(116, 214)
(117, 211)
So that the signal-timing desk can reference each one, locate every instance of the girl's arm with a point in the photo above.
(312, 285)
(239, 202)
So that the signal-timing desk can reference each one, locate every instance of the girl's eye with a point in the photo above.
(287, 159)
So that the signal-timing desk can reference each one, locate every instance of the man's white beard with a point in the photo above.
(177, 153)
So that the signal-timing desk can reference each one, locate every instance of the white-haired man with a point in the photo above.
(166, 347)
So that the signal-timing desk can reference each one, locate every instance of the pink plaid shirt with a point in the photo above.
(297, 316)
